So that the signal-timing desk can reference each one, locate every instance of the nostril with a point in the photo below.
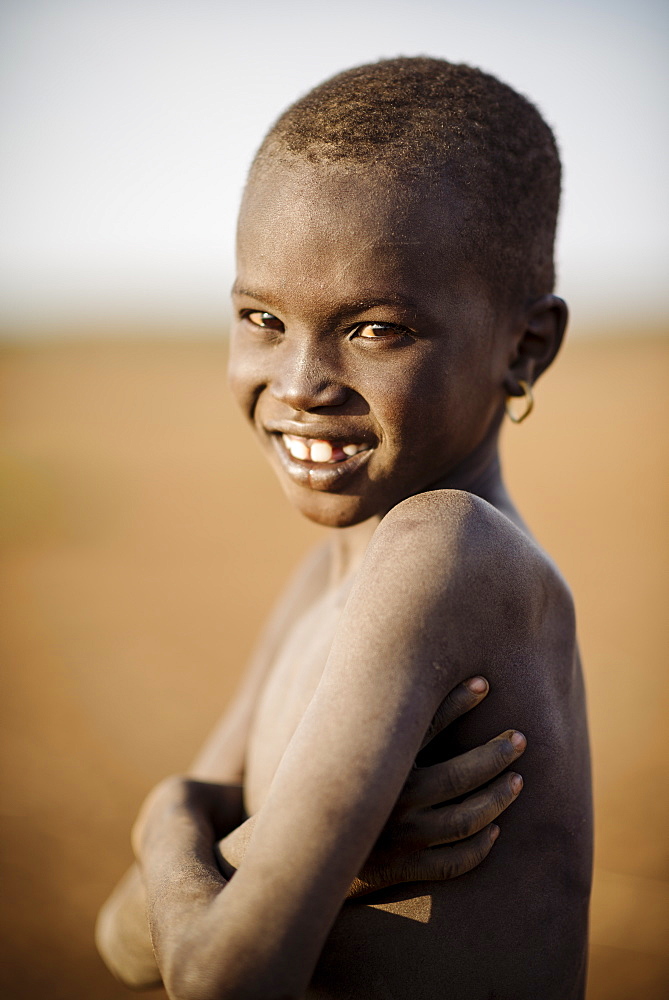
(309, 395)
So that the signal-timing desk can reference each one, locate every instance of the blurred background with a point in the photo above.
(142, 539)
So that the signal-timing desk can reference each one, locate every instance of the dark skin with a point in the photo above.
(359, 325)
(440, 347)
(405, 848)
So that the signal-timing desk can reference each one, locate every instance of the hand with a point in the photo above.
(430, 837)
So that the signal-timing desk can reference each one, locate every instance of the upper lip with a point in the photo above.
(319, 432)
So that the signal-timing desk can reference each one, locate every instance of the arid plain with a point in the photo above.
(143, 542)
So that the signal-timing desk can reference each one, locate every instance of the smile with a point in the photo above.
(320, 464)
(314, 450)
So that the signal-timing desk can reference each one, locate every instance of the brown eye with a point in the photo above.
(264, 320)
(374, 331)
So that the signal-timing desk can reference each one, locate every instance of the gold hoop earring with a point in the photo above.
(529, 403)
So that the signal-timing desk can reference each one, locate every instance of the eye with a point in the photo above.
(378, 331)
(264, 320)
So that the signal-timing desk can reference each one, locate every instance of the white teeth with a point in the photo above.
(297, 447)
(321, 451)
(318, 450)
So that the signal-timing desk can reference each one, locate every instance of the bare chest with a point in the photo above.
(291, 683)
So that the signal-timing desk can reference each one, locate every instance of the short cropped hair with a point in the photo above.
(430, 121)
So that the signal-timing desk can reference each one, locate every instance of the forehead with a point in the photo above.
(348, 231)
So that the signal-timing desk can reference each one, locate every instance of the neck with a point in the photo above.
(480, 473)
(348, 546)
(485, 481)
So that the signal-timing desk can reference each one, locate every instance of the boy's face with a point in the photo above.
(364, 350)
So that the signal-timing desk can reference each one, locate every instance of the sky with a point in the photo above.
(127, 127)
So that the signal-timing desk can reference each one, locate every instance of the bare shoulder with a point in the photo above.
(455, 545)
(470, 533)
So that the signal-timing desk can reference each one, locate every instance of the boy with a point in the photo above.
(394, 287)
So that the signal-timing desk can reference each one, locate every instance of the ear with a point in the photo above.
(542, 331)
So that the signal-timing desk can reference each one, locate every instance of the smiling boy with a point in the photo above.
(394, 287)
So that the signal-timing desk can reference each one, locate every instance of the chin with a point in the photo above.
(331, 510)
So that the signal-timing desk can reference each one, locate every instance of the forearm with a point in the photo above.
(122, 934)
(265, 931)
(122, 931)
(181, 878)
(195, 934)
(208, 942)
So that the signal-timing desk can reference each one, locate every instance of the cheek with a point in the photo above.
(415, 399)
(437, 410)
(244, 376)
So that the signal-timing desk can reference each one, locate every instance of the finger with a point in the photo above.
(428, 786)
(448, 860)
(464, 819)
(461, 699)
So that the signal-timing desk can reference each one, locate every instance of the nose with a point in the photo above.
(306, 380)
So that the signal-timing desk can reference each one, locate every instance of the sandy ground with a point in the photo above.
(143, 541)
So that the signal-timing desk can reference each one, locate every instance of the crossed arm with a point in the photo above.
(336, 789)
(427, 837)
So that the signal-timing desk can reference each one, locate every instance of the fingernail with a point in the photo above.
(494, 833)
(518, 741)
(516, 784)
(477, 685)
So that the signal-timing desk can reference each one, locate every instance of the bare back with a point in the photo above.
(528, 901)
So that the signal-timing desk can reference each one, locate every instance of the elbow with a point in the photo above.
(134, 968)
(188, 977)
(195, 989)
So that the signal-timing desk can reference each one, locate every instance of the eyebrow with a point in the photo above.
(386, 300)
(237, 290)
(360, 305)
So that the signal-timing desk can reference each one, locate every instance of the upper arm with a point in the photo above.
(419, 618)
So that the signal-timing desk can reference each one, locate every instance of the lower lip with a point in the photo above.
(327, 477)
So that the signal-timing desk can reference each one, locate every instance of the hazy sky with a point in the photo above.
(127, 127)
